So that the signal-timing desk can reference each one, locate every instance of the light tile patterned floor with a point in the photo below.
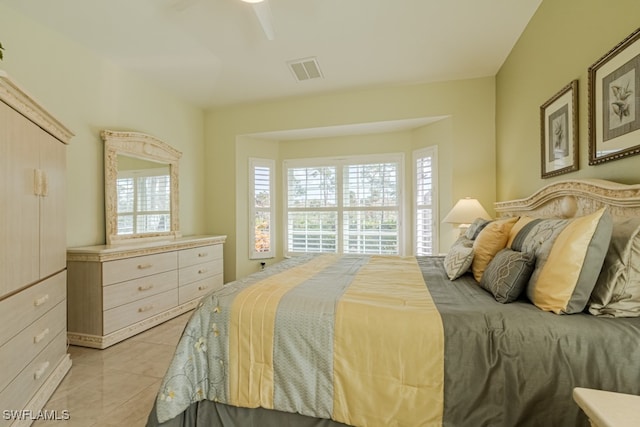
(116, 386)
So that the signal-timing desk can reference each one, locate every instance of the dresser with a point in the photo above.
(33, 343)
(117, 291)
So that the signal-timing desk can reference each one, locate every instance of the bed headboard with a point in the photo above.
(570, 198)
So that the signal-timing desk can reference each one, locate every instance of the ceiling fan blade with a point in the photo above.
(263, 13)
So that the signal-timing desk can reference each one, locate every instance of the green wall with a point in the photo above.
(89, 94)
(466, 144)
(563, 39)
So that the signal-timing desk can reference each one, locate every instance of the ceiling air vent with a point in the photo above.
(305, 69)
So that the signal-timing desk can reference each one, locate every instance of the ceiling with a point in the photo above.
(215, 52)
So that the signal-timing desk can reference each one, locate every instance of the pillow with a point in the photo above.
(476, 227)
(491, 239)
(459, 258)
(569, 255)
(519, 225)
(507, 274)
(617, 290)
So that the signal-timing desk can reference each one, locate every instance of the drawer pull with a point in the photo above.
(144, 266)
(204, 270)
(203, 254)
(145, 308)
(40, 336)
(202, 288)
(145, 287)
(40, 371)
(39, 301)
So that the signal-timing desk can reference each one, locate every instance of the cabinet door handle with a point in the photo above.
(144, 266)
(39, 301)
(203, 254)
(40, 371)
(145, 308)
(40, 336)
(145, 287)
(202, 271)
(37, 182)
(44, 191)
(202, 288)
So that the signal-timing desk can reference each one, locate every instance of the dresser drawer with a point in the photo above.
(22, 309)
(24, 386)
(133, 290)
(128, 314)
(22, 348)
(200, 271)
(199, 289)
(188, 257)
(132, 268)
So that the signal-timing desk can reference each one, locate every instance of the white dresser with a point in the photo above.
(33, 343)
(117, 291)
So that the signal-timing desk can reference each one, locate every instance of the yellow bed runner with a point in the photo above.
(389, 348)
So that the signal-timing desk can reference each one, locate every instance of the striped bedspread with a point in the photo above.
(356, 339)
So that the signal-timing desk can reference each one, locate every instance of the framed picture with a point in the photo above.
(559, 132)
(614, 102)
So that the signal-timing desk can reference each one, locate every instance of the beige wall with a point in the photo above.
(466, 143)
(563, 39)
(89, 94)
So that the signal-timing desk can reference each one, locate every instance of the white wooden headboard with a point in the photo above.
(570, 198)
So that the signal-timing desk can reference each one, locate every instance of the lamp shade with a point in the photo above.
(466, 211)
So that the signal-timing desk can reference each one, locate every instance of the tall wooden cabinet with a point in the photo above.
(33, 344)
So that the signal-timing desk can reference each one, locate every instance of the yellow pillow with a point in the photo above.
(489, 242)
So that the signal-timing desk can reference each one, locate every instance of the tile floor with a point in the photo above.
(116, 386)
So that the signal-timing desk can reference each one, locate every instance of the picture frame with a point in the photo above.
(559, 132)
(614, 102)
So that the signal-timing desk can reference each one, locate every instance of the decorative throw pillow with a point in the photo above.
(489, 242)
(476, 227)
(459, 258)
(507, 274)
(519, 225)
(569, 255)
(617, 291)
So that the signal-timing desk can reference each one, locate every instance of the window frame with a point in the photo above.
(339, 163)
(270, 164)
(430, 151)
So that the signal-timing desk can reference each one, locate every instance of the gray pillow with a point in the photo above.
(507, 274)
(617, 291)
(476, 227)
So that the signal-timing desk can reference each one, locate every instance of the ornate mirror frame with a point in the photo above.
(144, 147)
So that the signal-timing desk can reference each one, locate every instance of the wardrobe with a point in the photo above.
(33, 276)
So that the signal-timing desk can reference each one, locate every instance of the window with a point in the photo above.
(346, 206)
(261, 206)
(144, 201)
(425, 200)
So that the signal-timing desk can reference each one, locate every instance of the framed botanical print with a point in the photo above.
(559, 132)
(614, 102)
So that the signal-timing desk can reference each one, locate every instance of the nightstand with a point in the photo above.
(608, 409)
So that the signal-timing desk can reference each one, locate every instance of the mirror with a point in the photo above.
(141, 187)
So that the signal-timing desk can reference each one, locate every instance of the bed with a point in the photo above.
(498, 332)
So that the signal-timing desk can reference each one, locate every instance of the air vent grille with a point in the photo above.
(305, 69)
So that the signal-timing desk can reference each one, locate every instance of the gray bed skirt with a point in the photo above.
(212, 414)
